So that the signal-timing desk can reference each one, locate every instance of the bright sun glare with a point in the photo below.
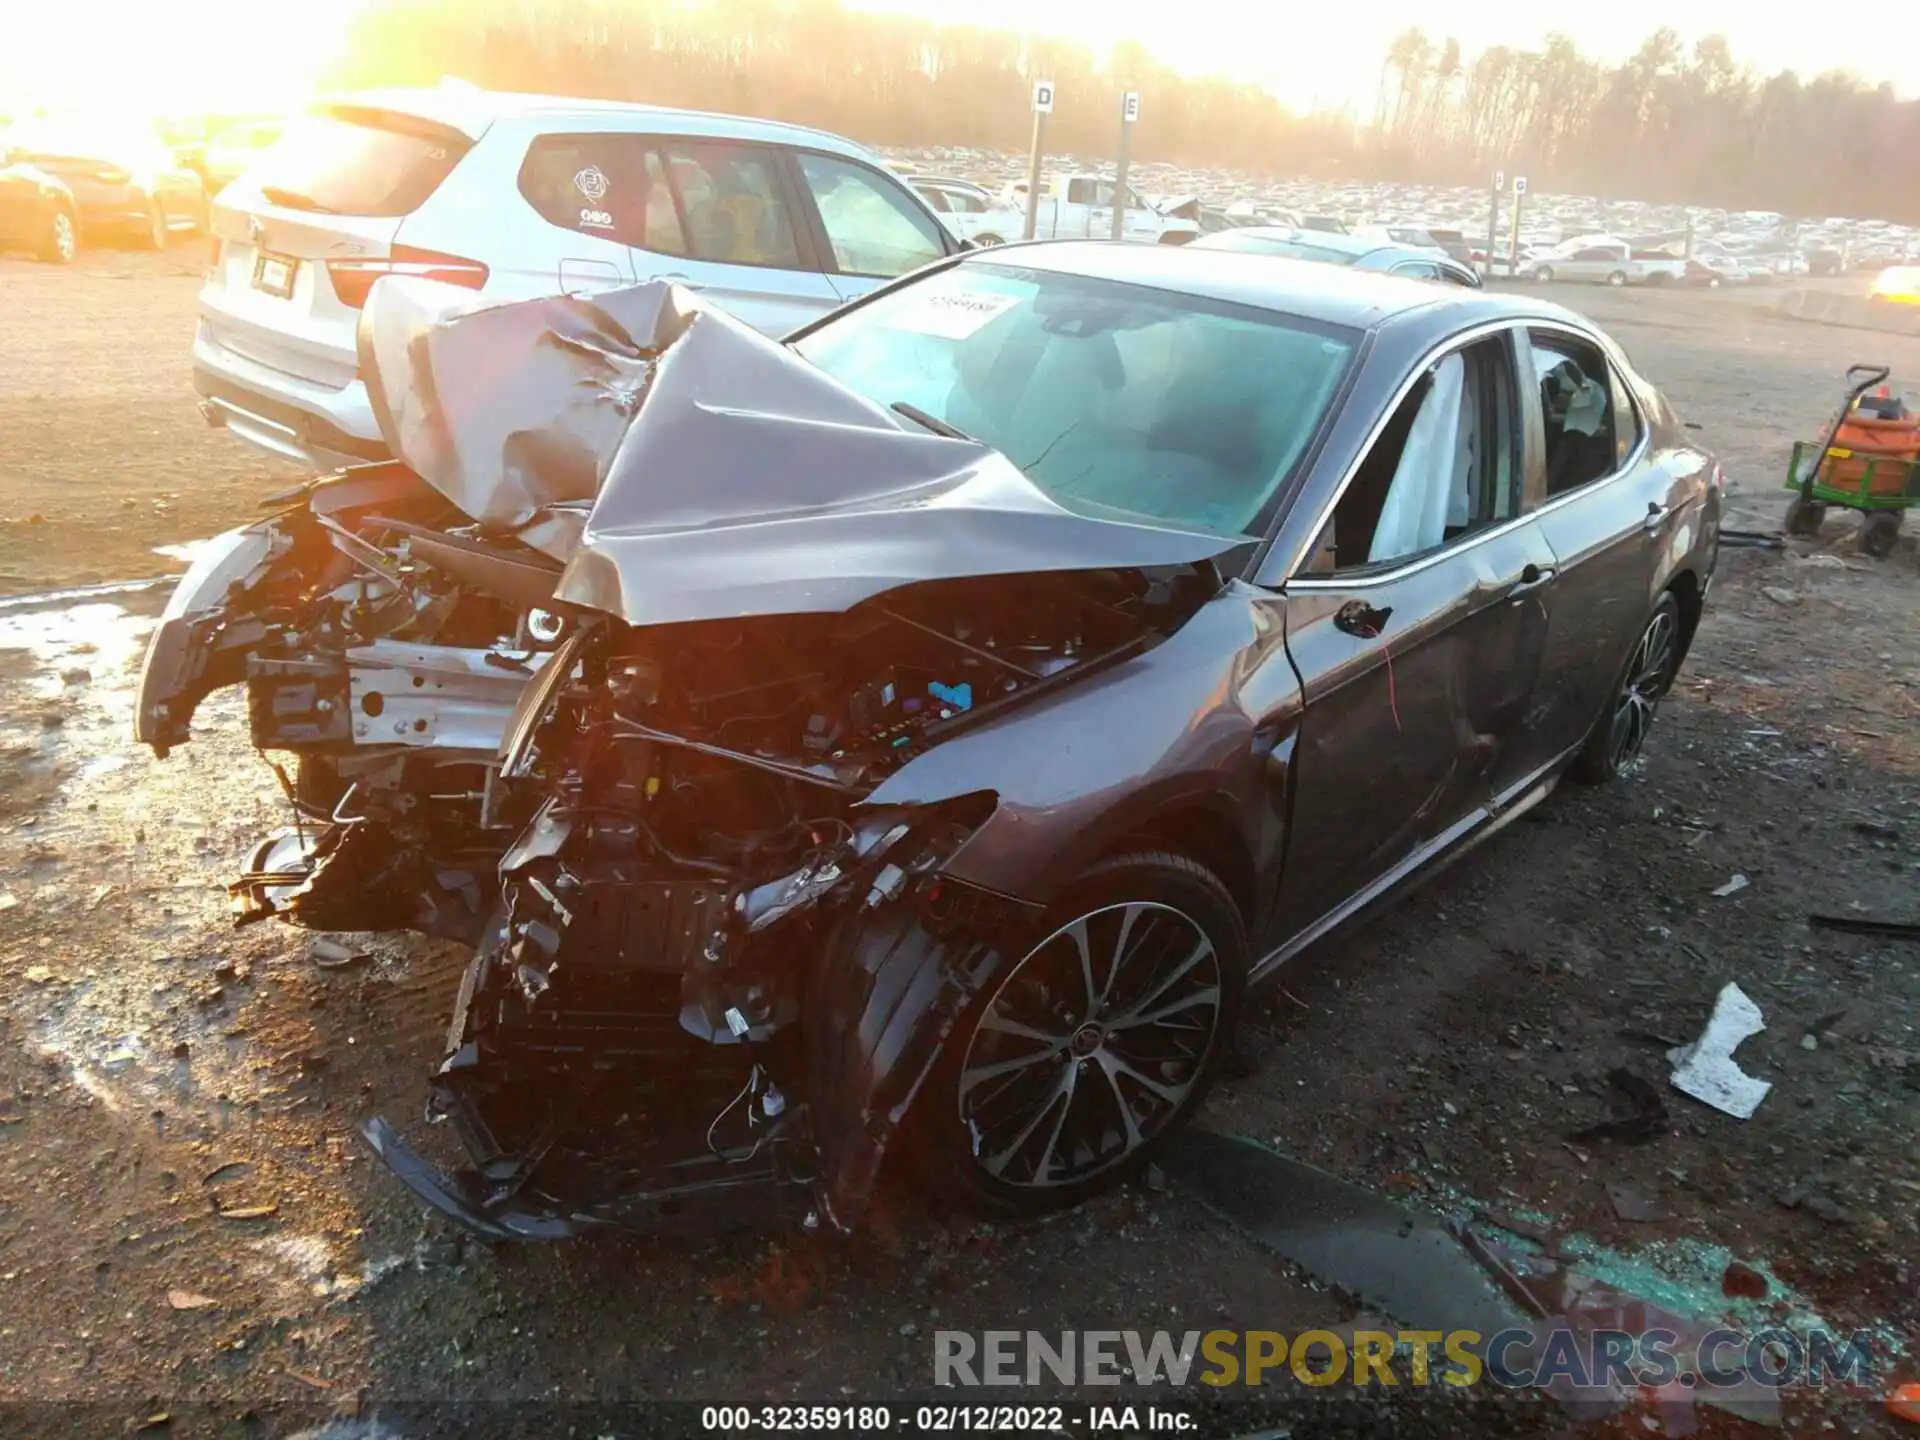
(142, 60)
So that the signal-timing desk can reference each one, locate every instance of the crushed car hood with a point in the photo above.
(685, 467)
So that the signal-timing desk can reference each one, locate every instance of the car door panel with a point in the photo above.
(1610, 541)
(1414, 687)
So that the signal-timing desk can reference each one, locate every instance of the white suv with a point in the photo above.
(520, 195)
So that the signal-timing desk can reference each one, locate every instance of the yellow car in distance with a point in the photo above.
(1897, 285)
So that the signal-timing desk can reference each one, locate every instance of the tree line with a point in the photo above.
(1670, 123)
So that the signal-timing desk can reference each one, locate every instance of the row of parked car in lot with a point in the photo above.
(67, 183)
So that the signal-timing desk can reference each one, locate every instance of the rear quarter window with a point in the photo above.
(360, 163)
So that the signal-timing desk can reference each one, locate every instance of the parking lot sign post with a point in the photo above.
(1129, 112)
(1042, 107)
(1493, 215)
(1513, 228)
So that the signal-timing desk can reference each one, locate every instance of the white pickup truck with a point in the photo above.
(1604, 260)
(1079, 207)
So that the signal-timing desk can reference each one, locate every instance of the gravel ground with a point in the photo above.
(187, 1226)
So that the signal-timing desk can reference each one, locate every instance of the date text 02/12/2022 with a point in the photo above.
(943, 1419)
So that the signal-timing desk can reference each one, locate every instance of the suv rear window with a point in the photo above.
(359, 162)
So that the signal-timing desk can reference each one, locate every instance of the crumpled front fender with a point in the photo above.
(882, 1000)
(195, 650)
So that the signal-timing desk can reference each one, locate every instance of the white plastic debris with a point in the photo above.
(1705, 1069)
(1732, 887)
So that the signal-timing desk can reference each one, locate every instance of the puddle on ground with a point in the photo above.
(97, 645)
(119, 862)
(1384, 1256)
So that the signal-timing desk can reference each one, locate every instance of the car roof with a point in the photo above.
(1323, 294)
(1347, 244)
(472, 111)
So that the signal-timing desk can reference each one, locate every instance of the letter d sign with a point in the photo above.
(1043, 97)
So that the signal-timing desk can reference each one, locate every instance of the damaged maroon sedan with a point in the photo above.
(917, 736)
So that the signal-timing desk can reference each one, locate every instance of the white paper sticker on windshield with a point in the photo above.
(952, 315)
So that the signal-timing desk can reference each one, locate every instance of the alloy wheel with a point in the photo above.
(66, 241)
(1649, 674)
(1091, 1045)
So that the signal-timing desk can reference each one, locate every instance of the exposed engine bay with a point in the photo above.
(656, 834)
(666, 912)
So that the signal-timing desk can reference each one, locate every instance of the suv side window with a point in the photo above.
(735, 212)
(589, 183)
(1446, 465)
(1419, 269)
(1080, 191)
(872, 224)
(1577, 406)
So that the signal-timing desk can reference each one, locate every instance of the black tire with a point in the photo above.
(1879, 533)
(1544, 274)
(1620, 734)
(986, 1101)
(983, 241)
(1804, 517)
(1617, 279)
(61, 243)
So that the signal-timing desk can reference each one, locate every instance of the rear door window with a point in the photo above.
(731, 204)
(589, 183)
(872, 224)
(357, 161)
(1577, 407)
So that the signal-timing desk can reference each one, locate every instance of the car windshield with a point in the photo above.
(1114, 399)
(1280, 245)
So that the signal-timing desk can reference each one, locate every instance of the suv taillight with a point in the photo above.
(353, 279)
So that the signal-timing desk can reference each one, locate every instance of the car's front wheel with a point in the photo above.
(1621, 733)
(1544, 274)
(1063, 1078)
(62, 240)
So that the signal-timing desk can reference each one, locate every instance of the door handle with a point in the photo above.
(1656, 515)
(1531, 578)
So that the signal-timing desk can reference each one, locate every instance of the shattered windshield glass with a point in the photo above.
(1114, 399)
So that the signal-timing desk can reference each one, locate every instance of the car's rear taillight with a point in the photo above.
(353, 279)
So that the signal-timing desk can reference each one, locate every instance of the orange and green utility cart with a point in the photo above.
(1870, 462)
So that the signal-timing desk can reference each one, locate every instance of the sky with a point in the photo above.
(142, 58)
